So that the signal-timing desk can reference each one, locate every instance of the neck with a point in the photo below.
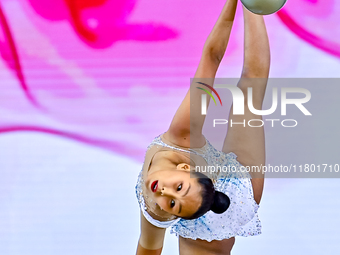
(182, 158)
(170, 160)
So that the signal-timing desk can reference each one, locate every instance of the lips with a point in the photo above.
(154, 186)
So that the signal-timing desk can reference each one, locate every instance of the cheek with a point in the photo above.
(175, 175)
(162, 202)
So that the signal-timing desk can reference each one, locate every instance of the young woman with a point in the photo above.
(207, 213)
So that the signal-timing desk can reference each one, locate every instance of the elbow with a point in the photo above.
(256, 70)
(215, 54)
(256, 66)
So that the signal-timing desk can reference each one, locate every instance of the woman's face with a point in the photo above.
(174, 191)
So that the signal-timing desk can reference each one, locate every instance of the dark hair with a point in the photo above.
(215, 201)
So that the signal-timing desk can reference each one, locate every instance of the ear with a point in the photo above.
(184, 167)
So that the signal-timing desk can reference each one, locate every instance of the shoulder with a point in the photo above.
(156, 220)
(151, 236)
(187, 141)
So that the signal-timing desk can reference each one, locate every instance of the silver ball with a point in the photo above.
(263, 7)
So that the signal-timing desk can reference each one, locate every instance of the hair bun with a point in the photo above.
(221, 203)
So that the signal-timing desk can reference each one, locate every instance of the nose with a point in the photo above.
(167, 192)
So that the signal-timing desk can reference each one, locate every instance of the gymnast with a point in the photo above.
(208, 212)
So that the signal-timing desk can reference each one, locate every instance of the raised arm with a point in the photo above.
(188, 121)
(151, 239)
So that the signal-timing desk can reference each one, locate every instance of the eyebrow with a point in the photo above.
(180, 205)
(187, 191)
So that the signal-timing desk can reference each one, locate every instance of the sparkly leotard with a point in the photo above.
(241, 218)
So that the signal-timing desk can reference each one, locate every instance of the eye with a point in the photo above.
(172, 203)
(179, 187)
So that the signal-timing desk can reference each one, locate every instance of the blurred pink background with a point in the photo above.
(94, 70)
